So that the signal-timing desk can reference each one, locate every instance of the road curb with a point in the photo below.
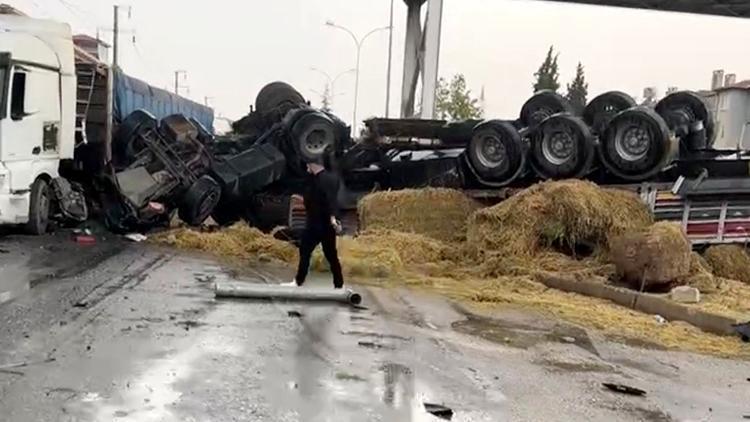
(643, 302)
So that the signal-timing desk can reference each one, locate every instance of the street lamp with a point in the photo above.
(332, 81)
(358, 43)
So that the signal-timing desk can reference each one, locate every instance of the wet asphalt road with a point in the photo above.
(121, 332)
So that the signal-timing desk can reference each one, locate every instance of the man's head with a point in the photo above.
(314, 168)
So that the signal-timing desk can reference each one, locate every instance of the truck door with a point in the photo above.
(31, 131)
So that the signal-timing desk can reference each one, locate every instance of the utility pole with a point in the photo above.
(177, 74)
(116, 33)
(116, 37)
(206, 100)
(390, 63)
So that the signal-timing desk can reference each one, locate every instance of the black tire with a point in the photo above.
(543, 105)
(125, 144)
(39, 208)
(226, 214)
(276, 95)
(562, 148)
(199, 201)
(602, 109)
(496, 152)
(685, 110)
(636, 145)
(312, 137)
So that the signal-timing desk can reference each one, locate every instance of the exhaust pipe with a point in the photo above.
(266, 291)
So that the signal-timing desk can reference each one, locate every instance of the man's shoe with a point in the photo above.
(292, 283)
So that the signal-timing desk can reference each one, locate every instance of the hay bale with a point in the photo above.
(438, 213)
(729, 261)
(236, 241)
(656, 256)
(700, 276)
(562, 214)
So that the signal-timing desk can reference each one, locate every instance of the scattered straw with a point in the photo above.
(565, 214)
(237, 241)
(655, 256)
(729, 261)
(437, 213)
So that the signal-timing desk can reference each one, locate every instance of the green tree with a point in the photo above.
(548, 74)
(578, 90)
(325, 99)
(455, 102)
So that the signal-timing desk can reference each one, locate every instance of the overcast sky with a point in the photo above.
(232, 48)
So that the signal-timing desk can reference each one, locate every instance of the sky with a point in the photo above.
(231, 48)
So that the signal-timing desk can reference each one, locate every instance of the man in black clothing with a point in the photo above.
(321, 207)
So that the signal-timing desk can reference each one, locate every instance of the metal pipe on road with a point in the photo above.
(266, 291)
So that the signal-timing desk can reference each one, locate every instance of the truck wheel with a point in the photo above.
(39, 208)
(602, 109)
(562, 148)
(687, 114)
(226, 214)
(313, 136)
(542, 105)
(199, 201)
(275, 94)
(496, 152)
(637, 145)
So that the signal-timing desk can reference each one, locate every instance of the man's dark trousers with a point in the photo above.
(325, 235)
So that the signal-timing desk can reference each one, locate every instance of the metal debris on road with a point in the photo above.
(660, 319)
(264, 291)
(624, 389)
(294, 314)
(743, 330)
(439, 410)
(25, 364)
(136, 237)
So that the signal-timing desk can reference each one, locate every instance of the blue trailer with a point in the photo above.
(131, 94)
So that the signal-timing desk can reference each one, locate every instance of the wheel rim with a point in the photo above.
(559, 146)
(633, 141)
(316, 142)
(492, 152)
(208, 204)
(540, 115)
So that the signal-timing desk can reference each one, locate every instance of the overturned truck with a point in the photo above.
(613, 142)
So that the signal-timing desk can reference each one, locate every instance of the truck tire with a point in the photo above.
(125, 144)
(277, 98)
(602, 109)
(636, 145)
(226, 214)
(687, 111)
(562, 148)
(199, 201)
(496, 152)
(542, 105)
(313, 136)
(39, 208)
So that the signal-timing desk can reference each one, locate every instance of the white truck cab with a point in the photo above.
(37, 115)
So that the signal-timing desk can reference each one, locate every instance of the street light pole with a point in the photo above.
(390, 63)
(358, 43)
(332, 81)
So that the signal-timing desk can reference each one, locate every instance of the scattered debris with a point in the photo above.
(373, 345)
(294, 314)
(744, 331)
(348, 377)
(4, 251)
(25, 364)
(685, 294)
(660, 319)
(84, 240)
(136, 237)
(624, 389)
(81, 304)
(442, 412)
(568, 339)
